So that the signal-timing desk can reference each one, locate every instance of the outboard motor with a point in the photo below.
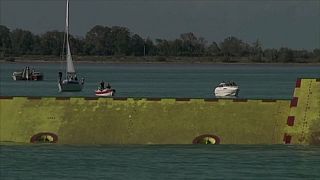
(27, 73)
(24, 73)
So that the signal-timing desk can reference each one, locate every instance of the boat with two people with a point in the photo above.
(71, 81)
(227, 89)
(105, 91)
(27, 74)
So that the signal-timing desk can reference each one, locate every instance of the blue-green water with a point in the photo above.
(160, 162)
(163, 161)
(163, 80)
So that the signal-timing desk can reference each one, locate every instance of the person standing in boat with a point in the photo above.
(108, 86)
(102, 85)
(60, 76)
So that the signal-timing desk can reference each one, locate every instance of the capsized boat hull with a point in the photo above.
(105, 92)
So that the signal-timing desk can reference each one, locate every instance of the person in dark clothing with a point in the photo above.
(60, 76)
(108, 86)
(102, 85)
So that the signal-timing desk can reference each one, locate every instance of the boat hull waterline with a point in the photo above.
(226, 91)
(105, 92)
(70, 86)
(17, 76)
(27, 74)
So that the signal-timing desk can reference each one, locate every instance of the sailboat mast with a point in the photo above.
(67, 34)
(67, 22)
(70, 66)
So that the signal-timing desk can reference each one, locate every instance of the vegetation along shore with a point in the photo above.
(119, 44)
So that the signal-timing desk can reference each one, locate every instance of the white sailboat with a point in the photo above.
(71, 82)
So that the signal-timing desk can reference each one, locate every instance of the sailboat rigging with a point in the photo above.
(71, 82)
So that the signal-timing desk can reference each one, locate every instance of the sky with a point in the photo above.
(276, 23)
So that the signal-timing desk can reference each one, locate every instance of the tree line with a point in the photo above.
(120, 41)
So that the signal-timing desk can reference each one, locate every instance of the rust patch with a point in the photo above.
(240, 100)
(287, 138)
(6, 97)
(153, 99)
(120, 98)
(34, 98)
(298, 83)
(269, 100)
(211, 100)
(294, 102)
(290, 120)
(315, 138)
(62, 98)
(91, 98)
(182, 99)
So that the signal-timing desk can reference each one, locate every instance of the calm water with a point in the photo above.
(163, 80)
(161, 162)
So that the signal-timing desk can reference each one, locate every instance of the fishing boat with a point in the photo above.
(229, 89)
(71, 81)
(27, 74)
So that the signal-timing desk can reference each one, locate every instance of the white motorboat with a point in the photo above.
(105, 92)
(226, 89)
(71, 82)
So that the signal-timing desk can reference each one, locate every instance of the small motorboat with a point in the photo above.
(105, 92)
(27, 74)
(229, 89)
(102, 91)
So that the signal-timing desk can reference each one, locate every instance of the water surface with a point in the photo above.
(163, 80)
(160, 162)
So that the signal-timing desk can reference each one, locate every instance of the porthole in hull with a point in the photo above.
(206, 139)
(44, 137)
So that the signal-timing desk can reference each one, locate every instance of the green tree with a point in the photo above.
(150, 48)
(257, 52)
(232, 46)
(191, 45)
(22, 42)
(37, 48)
(120, 38)
(285, 55)
(52, 43)
(176, 47)
(137, 45)
(316, 54)
(213, 49)
(163, 47)
(5, 41)
(97, 41)
(77, 45)
(271, 54)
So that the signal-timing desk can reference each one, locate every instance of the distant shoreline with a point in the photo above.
(146, 60)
